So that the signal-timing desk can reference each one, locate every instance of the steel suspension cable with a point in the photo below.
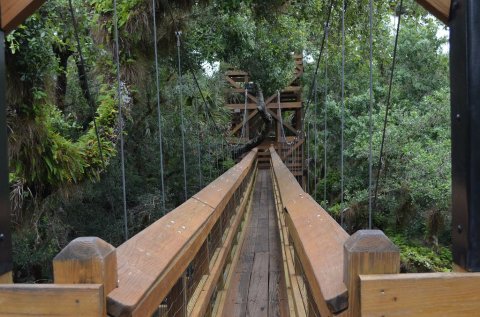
(182, 119)
(244, 120)
(159, 111)
(315, 137)
(329, 15)
(370, 159)
(325, 127)
(120, 118)
(308, 154)
(385, 121)
(342, 181)
(199, 152)
(87, 89)
(207, 109)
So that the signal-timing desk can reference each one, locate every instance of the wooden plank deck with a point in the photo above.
(257, 288)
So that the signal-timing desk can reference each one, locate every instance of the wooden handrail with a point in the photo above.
(152, 262)
(318, 241)
(439, 8)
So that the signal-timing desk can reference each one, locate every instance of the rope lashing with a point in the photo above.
(120, 119)
(159, 111)
(182, 115)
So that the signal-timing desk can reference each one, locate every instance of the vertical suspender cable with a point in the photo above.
(199, 150)
(325, 130)
(120, 118)
(343, 116)
(308, 154)
(159, 111)
(182, 127)
(370, 120)
(315, 131)
(388, 103)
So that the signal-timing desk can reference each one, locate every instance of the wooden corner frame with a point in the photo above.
(14, 12)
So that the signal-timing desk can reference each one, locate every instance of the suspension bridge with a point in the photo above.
(253, 242)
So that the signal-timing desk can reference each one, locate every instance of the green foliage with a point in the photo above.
(61, 188)
(415, 257)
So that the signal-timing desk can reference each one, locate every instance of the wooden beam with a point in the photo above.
(439, 8)
(367, 252)
(241, 106)
(51, 300)
(14, 12)
(6, 278)
(234, 84)
(272, 105)
(318, 240)
(293, 148)
(276, 117)
(240, 125)
(285, 105)
(152, 261)
(420, 295)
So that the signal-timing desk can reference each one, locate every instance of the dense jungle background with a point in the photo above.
(63, 187)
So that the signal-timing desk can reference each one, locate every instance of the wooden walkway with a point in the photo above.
(258, 284)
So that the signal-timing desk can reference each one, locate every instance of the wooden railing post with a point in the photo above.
(87, 260)
(6, 278)
(367, 252)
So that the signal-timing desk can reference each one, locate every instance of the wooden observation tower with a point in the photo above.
(286, 111)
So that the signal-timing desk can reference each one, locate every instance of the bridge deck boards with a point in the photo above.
(258, 287)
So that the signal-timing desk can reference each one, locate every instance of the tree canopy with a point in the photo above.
(61, 188)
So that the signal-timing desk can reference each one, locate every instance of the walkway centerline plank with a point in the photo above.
(257, 288)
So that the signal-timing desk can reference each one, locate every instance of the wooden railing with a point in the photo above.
(321, 261)
(175, 267)
(332, 274)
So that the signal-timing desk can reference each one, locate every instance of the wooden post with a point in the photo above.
(6, 278)
(367, 252)
(87, 260)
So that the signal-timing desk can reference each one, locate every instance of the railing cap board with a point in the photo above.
(14, 12)
(151, 262)
(321, 241)
(52, 300)
(318, 239)
(217, 193)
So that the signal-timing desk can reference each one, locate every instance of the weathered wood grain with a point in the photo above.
(14, 12)
(367, 252)
(258, 290)
(151, 262)
(255, 289)
(439, 8)
(87, 260)
(318, 240)
(420, 295)
(51, 300)
(6, 278)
